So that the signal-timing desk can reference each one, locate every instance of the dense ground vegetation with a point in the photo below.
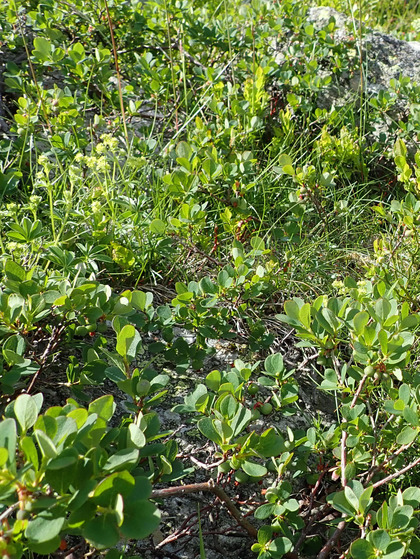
(171, 176)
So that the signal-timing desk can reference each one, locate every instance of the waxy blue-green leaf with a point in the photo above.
(207, 428)
(80, 416)
(128, 342)
(330, 381)
(270, 443)
(136, 436)
(404, 393)
(380, 539)
(65, 459)
(102, 531)
(395, 550)
(265, 534)
(382, 309)
(407, 435)
(141, 300)
(46, 445)
(158, 227)
(45, 548)
(227, 405)
(103, 407)
(47, 423)
(121, 483)
(62, 470)
(208, 286)
(383, 340)
(42, 48)
(8, 438)
(305, 315)
(340, 503)
(66, 426)
(253, 469)
(351, 498)
(126, 458)
(362, 549)
(141, 518)
(264, 511)
(399, 405)
(329, 320)
(224, 429)
(357, 488)
(411, 496)
(360, 321)
(45, 526)
(279, 547)
(411, 416)
(292, 308)
(274, 365)
(369, 335)
(13, 358)
(365, 499)
(401, 517)
(224, 279)
(240, 420)
(213, 380)
(183, 149)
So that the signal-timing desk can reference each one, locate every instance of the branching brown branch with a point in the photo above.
(211, 487)
(51, 346)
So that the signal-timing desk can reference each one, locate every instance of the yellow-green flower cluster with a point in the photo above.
(99, 164)
(45, 168)
(96, 207)
(339, 286)
(109, 143)
(98, 161)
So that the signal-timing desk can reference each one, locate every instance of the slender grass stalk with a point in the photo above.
(184, 69)
(32, 71)
(117, 69)
(171, 60)
(358, 31)
(51, 210)
(152, 128)
(363, 106)
(199, 106)
(228, 37)
(200, 534)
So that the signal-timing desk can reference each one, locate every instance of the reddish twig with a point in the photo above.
(211, 487)
(374, 469)
(183, 531)
(207, 466)
(195, 248)
(396, 474)
(117, 69)
(52, 344)
(314, 492)
(323, 554)
(344, 433)
(320, 514)
(334, 538)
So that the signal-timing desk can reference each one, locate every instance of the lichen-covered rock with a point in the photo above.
(384, 57)
(381, 71)
(387, 57)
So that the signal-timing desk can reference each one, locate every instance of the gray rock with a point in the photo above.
(320, 16)
(384, 57)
